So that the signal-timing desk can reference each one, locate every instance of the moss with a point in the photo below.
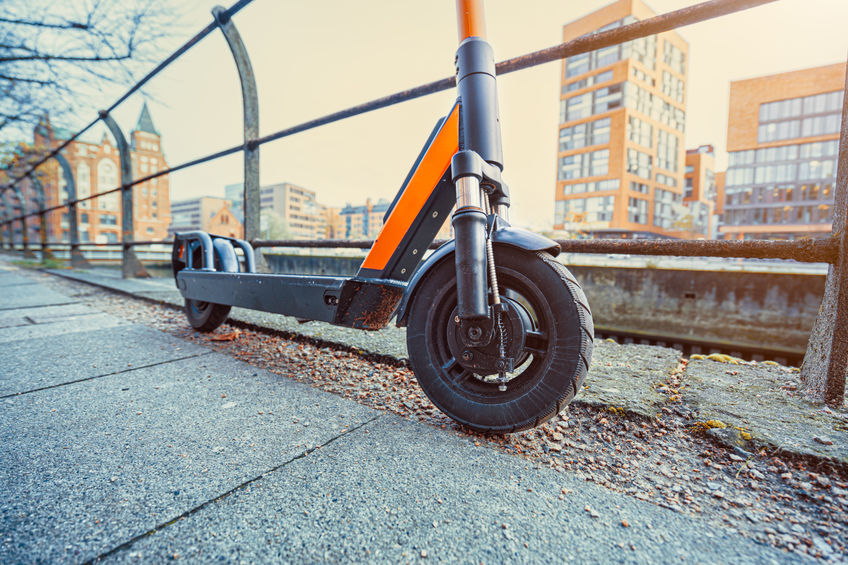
(708, 425)
(723, 358)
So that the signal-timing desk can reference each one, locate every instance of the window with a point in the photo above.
(84, 218)
(672, 87)
(637, 210)
(150, 230)
(83, 184)
(588, 81)
(639, 163)
(667, 154)
(584, 210)
(607, 98)
(643, 76)
(674, 58)
(642, 101)
(666, 179)
(640, 132)
(108, 220)
(582, 135)
(595, 102)
(809, 116)
(591, 164)
(687, 188)
(665, 206)
(639, 187)
(598, 186)
(107, 179)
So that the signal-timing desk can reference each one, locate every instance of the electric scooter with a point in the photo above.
(499, 334)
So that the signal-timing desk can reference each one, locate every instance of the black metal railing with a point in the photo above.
(824, 369)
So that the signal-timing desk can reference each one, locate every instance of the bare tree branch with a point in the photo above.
(72, 57)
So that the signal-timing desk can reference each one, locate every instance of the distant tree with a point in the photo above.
(273, 226)
(61, 58)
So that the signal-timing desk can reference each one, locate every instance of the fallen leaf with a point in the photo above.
(232, 336)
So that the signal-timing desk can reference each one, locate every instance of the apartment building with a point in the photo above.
(622, 119)
(782, 142)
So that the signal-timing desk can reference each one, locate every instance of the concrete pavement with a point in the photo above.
(122, 443)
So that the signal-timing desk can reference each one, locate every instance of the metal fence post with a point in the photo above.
(42, 217)
(78, 260)
(131, 267)
(825, 366)
(250, 104)
(4, 221)
(9, 213)
(24, 236)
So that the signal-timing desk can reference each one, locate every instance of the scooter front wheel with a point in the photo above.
(550, 325)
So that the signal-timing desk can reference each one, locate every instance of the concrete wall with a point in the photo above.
(771, 310)
(768, 310)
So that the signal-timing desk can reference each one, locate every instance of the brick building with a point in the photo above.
(700, 191)
(782, 142)
(622, 118)
(96, 168)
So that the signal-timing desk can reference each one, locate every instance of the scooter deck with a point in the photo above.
(347, 301)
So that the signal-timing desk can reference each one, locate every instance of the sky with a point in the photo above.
(313, 58)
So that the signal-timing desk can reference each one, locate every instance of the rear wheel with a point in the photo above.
(207, 316)
(550, 336)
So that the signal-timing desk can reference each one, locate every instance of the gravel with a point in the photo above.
(799, 505)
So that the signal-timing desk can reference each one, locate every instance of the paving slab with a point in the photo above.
(9, 278)
(759, 405)
(74, 324)
(23, 296)
(86, 466)
(45, 314)
(29, 364)
(628, 377)
(399, 491)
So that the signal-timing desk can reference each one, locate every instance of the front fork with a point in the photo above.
(479, 323)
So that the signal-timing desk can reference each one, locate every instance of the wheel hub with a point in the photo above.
(484, 360)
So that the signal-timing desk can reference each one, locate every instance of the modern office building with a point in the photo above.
(363, 222)
(206, 213)
(622, 119)
(700, 191)
(782, 142)
(303, 215)
(96, 168)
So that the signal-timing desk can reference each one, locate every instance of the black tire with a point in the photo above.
(207, 316)
(560, 345)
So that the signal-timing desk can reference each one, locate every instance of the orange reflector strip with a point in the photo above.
(424, 180)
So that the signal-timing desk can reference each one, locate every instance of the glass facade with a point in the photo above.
(789, 185)
(584, 135)
(808, 116)
(591, 164)
(584, 210)
(598, 186)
